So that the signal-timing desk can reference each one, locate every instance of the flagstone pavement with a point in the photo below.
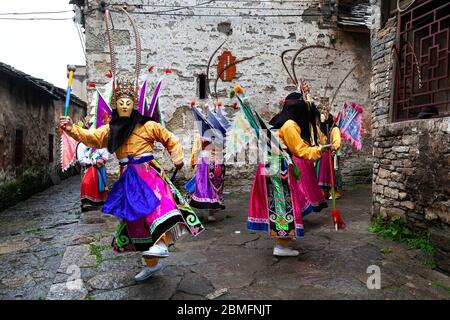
(50, 250)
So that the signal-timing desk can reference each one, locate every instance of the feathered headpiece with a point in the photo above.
(323, 107)
(124, 88)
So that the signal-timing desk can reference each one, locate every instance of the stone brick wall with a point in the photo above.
(36, 113)
(185, 43)
(411, 167)
(411, 171)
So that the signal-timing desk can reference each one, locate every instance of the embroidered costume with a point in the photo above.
(93, 184)
(323, 166)
(207, 192)
(144, 198)
(152, 212)
(299, 132)
(277, 202)
(206, 187)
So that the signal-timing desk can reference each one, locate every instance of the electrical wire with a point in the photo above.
(406, 7)
(29, 19)
(200, 6)
(231, 8)
(82, 40)
(247, 8)
(242, 15)
(269, 1)
(25, 13)
(240, 1)
(186, 7)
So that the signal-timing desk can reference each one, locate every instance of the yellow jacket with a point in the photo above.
(196, 148)
(335, 136)
(289, 134)
(139, 142)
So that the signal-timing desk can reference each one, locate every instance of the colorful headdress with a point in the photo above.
(323, 107)
(124, 88)
(305, 87)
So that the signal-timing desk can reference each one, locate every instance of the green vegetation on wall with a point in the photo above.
(395, 229)
(31, 182)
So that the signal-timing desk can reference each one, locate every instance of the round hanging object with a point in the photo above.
(226, 62)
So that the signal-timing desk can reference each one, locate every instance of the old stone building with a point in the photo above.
(410, 96)
(183, 35)
(29, 144)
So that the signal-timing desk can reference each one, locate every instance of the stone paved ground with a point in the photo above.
(48, 250)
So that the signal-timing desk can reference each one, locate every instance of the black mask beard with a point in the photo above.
(121, 128)
(303, 113)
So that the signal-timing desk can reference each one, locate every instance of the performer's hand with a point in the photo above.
(99, 162)
(65, 123)
(324, 147)
(178, 166)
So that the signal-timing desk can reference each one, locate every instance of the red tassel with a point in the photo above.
(109, 74)
(168, 71)
(337, 219)
(150, 69)
(235, 105)
(91, 84)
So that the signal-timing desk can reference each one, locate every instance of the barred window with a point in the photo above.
(422, 88)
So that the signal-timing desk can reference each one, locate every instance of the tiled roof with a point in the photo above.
(42, 85)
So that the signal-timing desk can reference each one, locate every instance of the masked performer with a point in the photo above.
(277, 203)
(298, 131)
(330, 130)
(151, 211)
(207, 160)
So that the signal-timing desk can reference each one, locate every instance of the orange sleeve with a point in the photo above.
(290, 133)
(173, 145)
(336, 138)
(94, 138)
(196, 148)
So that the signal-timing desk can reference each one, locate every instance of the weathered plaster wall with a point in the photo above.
(185, 44)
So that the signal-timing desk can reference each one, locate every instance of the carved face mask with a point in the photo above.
(125, 106)
(323, 116)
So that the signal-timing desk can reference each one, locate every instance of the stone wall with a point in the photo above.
(36, 113)
(185, 43)
(411, 169)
